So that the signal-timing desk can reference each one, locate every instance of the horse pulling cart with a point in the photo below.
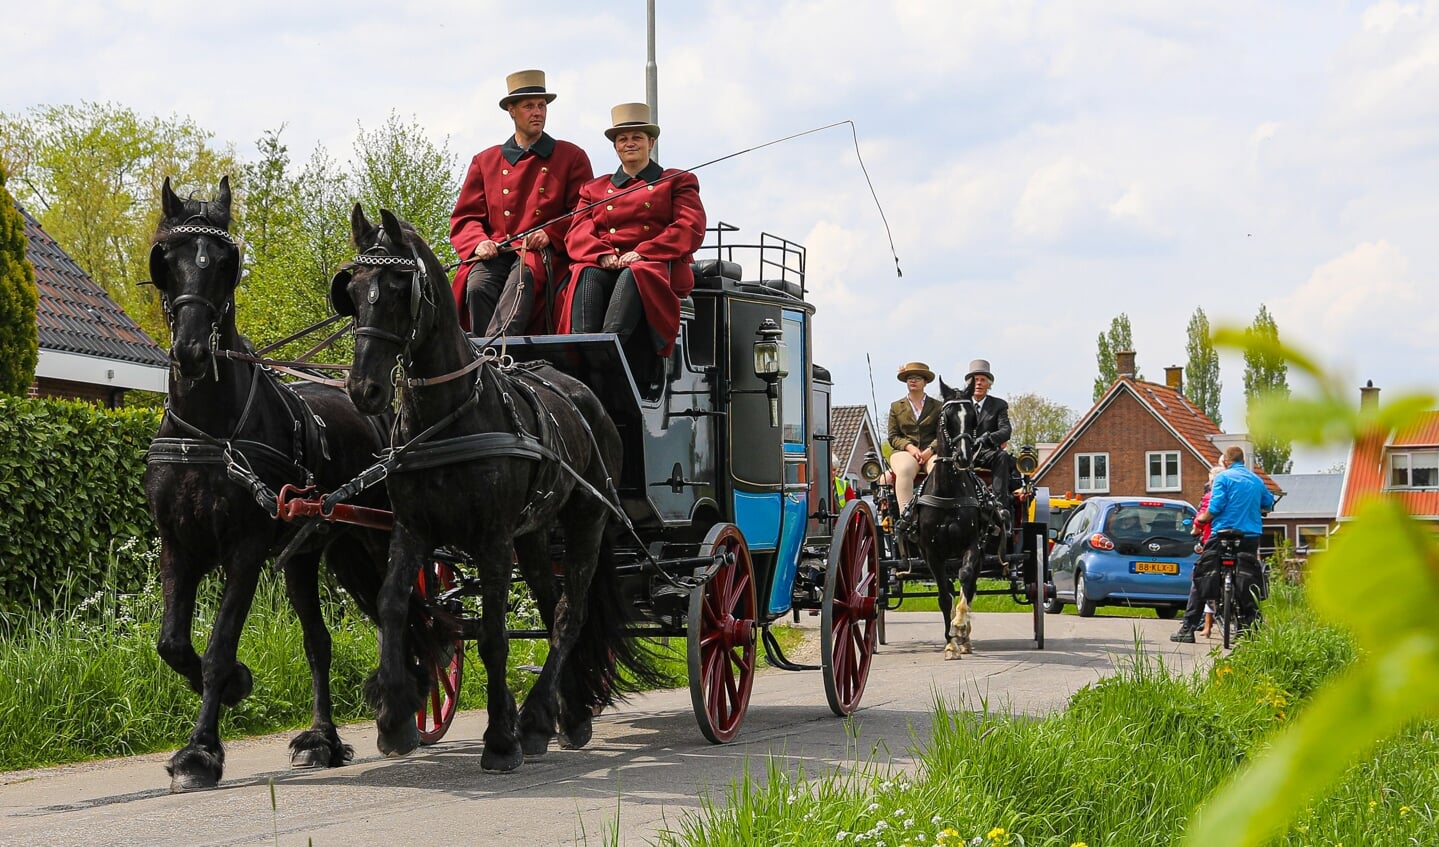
(1013, 551)
(719, 523)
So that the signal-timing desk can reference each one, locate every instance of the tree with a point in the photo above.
(19, 335)
(1119, 339)
(1035, 419)
(1266, 375)
(91, 175)
(1201, 374)
(398, 168)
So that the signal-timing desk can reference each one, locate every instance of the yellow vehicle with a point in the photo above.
(1059, 508)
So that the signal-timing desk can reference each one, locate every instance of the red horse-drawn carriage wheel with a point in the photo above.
(721, 637)
(849, 620)
(434, 718)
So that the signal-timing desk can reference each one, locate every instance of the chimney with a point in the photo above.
(1368, 396)
(1125, 360)
(1174, 378)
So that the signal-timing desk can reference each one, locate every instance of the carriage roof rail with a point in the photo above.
(778, 257)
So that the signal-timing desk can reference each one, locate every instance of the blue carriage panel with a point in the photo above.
(759, 517)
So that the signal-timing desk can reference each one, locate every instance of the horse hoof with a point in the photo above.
(401, 742)
(536, 744)
(577, 736)
(966, 650)
(501, 762)
(950, 652)
(306, 759)
(194, 769)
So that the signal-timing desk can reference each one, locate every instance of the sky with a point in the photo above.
(1042, 166)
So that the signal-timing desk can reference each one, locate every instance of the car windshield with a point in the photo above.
(1138, 521)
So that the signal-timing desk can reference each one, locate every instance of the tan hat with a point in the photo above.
(979, 366)
(919, 369)
(524, 84)
(627, 116)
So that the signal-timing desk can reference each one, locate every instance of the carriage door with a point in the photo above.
(794, 431)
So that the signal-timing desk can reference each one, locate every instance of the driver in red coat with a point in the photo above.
(526, 182)
(633, 248)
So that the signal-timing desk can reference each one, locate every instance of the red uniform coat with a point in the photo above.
(509, 190)
(664, 223)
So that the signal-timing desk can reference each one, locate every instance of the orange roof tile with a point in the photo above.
(1364, 475)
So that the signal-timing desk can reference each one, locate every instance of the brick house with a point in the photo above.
(1403, 464)
(1307, 514)
(854, 435)
(1141, 439)
(89, 348)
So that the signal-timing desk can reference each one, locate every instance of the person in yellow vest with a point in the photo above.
(913, 430)
(843, 489)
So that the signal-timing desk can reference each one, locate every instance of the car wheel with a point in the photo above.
(1166, 613)
(1086, 606)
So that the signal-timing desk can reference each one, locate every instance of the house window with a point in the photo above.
(1163, 470)
(1091, 473)
(1273, 536)
(1415, 469)
(1315, 537)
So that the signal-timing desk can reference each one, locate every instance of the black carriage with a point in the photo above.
(724, 491)
(1016, 555)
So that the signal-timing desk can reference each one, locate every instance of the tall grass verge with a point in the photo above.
(1125, 765)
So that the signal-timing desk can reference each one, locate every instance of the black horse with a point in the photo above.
(954, 518)
(231, 433)
(488, 458)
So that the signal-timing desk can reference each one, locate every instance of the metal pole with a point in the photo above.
(652, 89)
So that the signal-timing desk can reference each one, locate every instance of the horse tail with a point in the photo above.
(607, 662)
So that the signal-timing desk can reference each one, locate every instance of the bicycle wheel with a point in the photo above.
(1228, 612)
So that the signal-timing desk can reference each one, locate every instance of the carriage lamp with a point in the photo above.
(771, 363)
(1028, 461)
(871, 469)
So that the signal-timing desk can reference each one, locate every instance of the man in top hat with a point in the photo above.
(913, 430)
(633, 245)
(516, 188)
(992, 430)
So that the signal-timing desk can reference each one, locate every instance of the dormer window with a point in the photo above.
(1414, 469)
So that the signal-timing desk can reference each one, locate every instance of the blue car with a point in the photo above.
(1124, 551)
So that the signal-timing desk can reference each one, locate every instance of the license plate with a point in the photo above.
(1156, 567)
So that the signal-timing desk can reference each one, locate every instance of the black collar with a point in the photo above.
(651, 172)
(513, 152)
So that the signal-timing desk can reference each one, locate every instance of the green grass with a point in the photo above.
(1125, 764)
(88, 682)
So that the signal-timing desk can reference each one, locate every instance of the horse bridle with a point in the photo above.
(199, 232)
(963, 441)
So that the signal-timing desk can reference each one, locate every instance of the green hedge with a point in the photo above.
(71, 493)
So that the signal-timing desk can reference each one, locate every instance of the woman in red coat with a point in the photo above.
(631, 250)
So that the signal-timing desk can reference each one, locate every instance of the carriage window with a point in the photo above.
(1163, 470)
(1091, 473)
(792, 386)
(700, 334)
(1416, 469)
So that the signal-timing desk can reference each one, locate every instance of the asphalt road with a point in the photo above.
(646, 767)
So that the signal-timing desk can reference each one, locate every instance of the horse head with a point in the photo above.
(957, 420)
(392, 289)
(195, 264)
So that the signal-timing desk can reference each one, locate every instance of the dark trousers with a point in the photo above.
(1194, 609)
(501, 295)
(607, 301)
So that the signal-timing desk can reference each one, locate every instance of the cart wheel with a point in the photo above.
(434, 717)
(721, 637)
(850, 620)
(1038, 543)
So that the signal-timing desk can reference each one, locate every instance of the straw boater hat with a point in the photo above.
(524, 84)
(979, 366)
(627, 116)
(919, 369)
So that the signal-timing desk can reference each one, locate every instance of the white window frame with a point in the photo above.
(1319, 529)
(1177, 484)
(1408, 457)
(1096, 487)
